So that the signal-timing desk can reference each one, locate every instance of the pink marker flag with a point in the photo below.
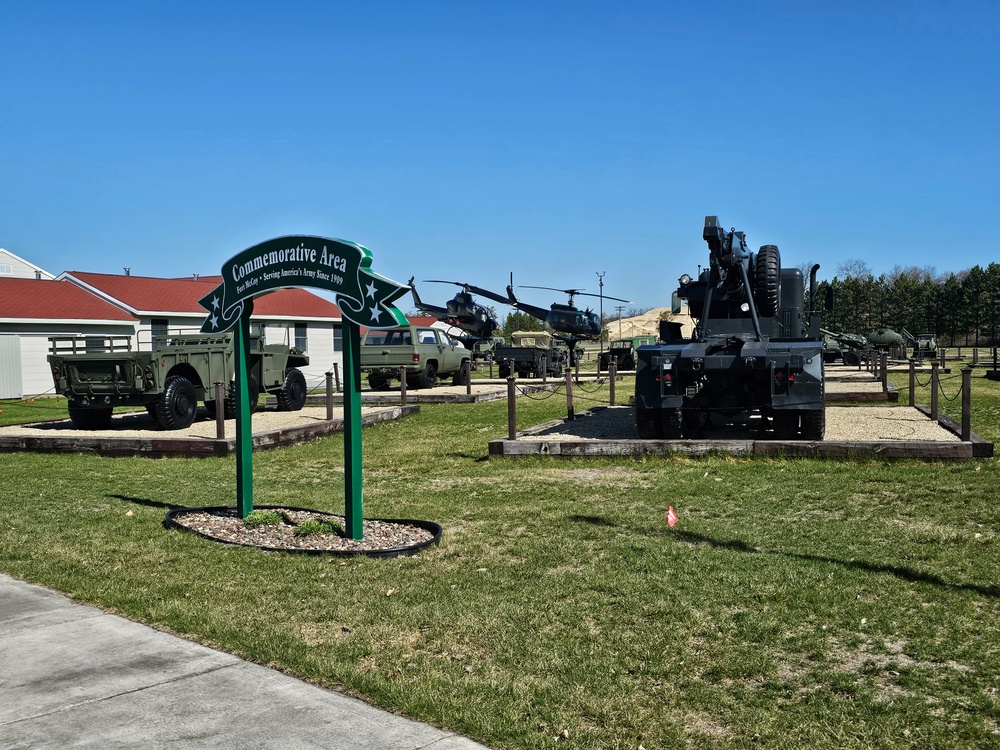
(671, 516)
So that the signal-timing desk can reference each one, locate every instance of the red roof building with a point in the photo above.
(24, 300)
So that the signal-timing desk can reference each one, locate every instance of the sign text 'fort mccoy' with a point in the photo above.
(341, 267)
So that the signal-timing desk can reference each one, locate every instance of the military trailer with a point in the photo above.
(96, 374)
(532, 353)
(623, 352)
(755, 351)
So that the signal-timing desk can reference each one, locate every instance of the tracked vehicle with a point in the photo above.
(756, 354)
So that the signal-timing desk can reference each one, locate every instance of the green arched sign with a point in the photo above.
(364, 298)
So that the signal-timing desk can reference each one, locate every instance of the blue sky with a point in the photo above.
(467, 140)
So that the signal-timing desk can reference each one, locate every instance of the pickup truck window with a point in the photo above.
(397, 338)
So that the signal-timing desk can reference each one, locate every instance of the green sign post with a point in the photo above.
(364, 298)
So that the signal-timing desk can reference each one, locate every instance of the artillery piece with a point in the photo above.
(755, 351)
(849, 348)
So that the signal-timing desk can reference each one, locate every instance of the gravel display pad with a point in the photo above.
(380, 537)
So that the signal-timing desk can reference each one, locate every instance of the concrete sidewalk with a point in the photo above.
(74, 676)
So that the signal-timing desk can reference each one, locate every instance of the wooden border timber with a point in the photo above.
(161, 447)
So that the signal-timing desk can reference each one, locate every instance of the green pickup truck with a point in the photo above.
(96, 374)
(427, 354)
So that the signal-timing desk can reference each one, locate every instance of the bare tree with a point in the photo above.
(854, 268)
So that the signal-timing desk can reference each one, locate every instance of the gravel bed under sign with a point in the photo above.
(380, 537)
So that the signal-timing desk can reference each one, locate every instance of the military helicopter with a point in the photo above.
(461, 311)
(578, 324)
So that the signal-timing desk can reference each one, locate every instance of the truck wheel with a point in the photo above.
(90, 419)
(428, 377)
(786, 425)
(378, 382)
(648, 424)
(767, 275)
(177, 405)
(852, 359)
(671, 424)
(504, 371)
(464, 375)
(231, 407)
(628, 363)
(292, 395)
(813, 424)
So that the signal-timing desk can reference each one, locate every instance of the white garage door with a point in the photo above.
(10, 367)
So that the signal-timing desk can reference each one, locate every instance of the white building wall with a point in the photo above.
(10, 366)
(13, 267)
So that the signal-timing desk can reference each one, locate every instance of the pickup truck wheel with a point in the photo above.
(292, 395)
(428, 377)
(177, 405)
(90, 419)
(464, 374)
(378, 382)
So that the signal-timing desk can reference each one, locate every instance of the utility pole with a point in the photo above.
(619, 308)
(600, 275)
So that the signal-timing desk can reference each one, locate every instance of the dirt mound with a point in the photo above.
(648, 324)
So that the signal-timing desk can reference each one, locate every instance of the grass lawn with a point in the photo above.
(797, 603)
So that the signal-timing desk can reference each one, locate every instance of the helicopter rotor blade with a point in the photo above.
(551, 289)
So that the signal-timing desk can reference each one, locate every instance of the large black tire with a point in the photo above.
(648, 424)
(670, 423)
(464, 374)
(628, 363)
(378, 382)
(852, 359)
(428, 376)
(90, 418)
(813, 424)
(178, 404)
(503, 371)
(767, 277)
(292, 396)
(786, 425)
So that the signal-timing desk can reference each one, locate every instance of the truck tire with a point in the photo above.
(670, 424)
(648, 424)
(378, 382)
(813, 424)
(428, 376)
(503, 372)
(90, 419)
(767, 276)
(292, 396)
(627, 363)
(230, 405)
(786, 425)
(177, 405)
(464, 374)
(852, 359)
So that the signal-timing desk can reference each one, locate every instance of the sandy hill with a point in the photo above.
(647, 324)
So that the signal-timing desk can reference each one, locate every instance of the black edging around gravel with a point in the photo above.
(408, 550)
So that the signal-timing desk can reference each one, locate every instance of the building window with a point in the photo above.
(6, 269)
(301, 339)
(159, 329)
(338, 339)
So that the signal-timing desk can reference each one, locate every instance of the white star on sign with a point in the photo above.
(370, 289)
(376, 314)
(215, 321)
(215, 302)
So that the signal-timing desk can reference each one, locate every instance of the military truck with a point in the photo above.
(924, 346)
(623, 352)
(755, 351)
(484, 350)
(532, 353)
(96, 374)
(427, 354)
